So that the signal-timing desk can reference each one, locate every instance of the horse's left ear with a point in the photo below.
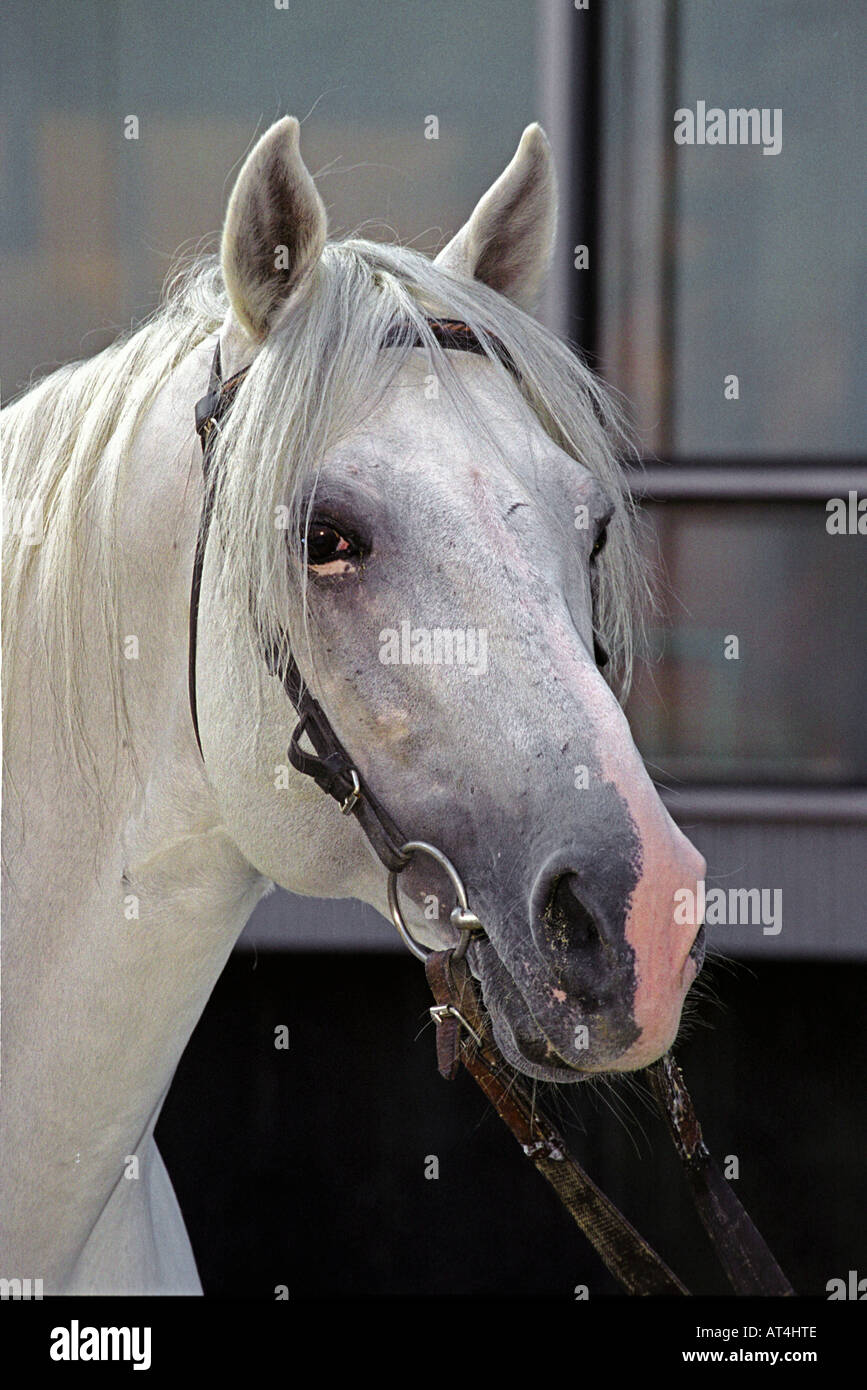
(274, 230)
(509, 239)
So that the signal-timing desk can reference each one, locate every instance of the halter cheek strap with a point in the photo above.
(329, 765)
(210, 410)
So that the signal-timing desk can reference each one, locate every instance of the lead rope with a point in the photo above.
(740, 1247)
(464, 1035)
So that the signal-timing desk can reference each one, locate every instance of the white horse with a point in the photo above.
(366, 490)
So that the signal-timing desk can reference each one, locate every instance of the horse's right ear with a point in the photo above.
(274, 230)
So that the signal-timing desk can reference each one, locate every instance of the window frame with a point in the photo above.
(574, 48)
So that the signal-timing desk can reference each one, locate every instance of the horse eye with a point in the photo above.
(599, 544)
(325, 544)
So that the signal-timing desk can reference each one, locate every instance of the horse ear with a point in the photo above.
(509, 239)
(274, 230)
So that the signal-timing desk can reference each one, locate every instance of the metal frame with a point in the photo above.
(716, 480)
(781, 805)
(568, 82)
(636, 208)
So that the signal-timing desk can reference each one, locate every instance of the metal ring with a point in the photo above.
(467, 921)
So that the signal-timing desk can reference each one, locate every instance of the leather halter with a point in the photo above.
(329, 765)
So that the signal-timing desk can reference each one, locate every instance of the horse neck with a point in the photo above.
(116, 924)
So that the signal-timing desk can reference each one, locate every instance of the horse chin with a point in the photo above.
(527, 1046)
(555, 1070)
(532, 1053)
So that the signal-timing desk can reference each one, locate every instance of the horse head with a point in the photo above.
(445, 540)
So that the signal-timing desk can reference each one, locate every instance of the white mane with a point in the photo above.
(315, 377)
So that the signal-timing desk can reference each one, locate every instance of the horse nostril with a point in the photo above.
(566, 916)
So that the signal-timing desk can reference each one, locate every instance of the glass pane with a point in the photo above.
(90, 221)
(769, 275)
(720, 260)
(787, 702)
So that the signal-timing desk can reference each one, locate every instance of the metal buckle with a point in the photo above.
(439, 1012)
(461, 917)
(351, 797)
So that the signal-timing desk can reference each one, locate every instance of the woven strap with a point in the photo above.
(622, 1250)
(740, 1248)
(464, 1035)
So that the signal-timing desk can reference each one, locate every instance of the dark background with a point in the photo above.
(306, 1167)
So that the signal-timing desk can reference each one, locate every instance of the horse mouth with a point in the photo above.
(533, 1053)
(526, 1042)
(520, 1037)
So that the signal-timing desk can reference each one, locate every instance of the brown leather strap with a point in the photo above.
(742, 1252)
(210, 410)
(622, 1250)
(464, 1035)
